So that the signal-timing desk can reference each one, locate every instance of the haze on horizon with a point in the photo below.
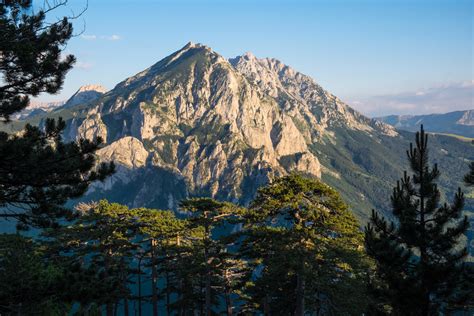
(381, 57)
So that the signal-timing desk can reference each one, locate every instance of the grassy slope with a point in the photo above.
(368, 170)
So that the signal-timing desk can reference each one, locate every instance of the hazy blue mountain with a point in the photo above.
(37, 108)
(458, 122)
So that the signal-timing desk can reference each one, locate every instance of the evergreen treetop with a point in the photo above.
(418, 256)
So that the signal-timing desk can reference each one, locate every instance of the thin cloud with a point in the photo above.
(440, 99)
(93, 37)
(83, 65)
(89, 37)
(113, 37)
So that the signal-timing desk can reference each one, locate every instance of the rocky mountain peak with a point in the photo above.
(85, 94)
(216, 123)
(92, 87)
(301, 96)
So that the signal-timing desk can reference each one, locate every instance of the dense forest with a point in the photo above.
(295, 249)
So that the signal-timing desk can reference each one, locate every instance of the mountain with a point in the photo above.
(459, 122)
(37, 108)
(197, 124)
(85, 94)
(455, 96)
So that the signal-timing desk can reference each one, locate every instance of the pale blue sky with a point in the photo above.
(353, 48)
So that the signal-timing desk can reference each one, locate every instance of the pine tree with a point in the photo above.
(469, 178)
(38, 171)
(30, 54)
(102, 237)
(305, 245)
(28, 282)
(209, 215)
(159, 234)
(418, 259)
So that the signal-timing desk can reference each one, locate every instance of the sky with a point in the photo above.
(360, 50)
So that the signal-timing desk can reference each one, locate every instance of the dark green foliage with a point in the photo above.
(100, 240)
(30, 55)
(307, 249)
(211, 262)
(418, 261)
(39, 173)
(28, 284)
(469, 178)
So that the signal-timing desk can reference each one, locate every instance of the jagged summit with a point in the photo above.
(218, 127)
(196, 67)
(195, 45)
(85, 94)
(92, 87)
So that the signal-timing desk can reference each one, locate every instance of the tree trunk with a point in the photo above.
(125, 307)
(228, 302)
(109, 309)
(266, 306)
(202, 288)
(208, 294)
(208, 273)
(423, 252)
(154, 277)
(168, 301)
(228, 293)
(182, 297)
(140, 286)
(300, 289)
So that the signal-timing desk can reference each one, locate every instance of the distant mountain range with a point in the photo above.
(37, 108)
(455, 96)
(197, 124)
(84, 95)
(459, 122)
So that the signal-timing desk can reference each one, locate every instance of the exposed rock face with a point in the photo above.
(127, 151)
(85, 94)
(203, 120)
(223, 127)
(37, 108)
(467, 118)
(92, 128)
(302, 98)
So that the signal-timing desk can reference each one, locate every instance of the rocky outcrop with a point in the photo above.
(467, 118)
(127, 151)
(92, 128)
(85, 94)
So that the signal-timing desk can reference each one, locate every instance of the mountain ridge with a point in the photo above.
(197, 124)
(456, 122)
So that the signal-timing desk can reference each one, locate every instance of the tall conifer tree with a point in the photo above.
(418, 258)
(38, 171)
(307, 250)
(469, 178)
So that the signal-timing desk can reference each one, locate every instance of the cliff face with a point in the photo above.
(202, 119)
(198, 124)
